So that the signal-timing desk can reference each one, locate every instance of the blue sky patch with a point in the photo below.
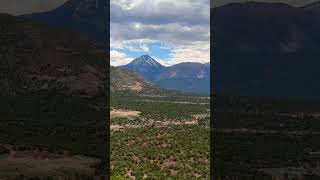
(156, 49)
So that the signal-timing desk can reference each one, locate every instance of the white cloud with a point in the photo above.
(136, 45)
(164, 62)
(144, 48)
(117, 44)
(195, 52)
(117, 58)
(172, 32)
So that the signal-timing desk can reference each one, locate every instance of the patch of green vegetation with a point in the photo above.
(159, 110)
(172, 152)
(117, 178)
(177, 152)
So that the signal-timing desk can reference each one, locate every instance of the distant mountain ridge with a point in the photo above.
(188, 77)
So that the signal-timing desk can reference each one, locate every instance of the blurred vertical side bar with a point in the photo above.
(212, 95)
(266, 95)
(54, 89)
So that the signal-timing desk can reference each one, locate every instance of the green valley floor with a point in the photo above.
(159, 137)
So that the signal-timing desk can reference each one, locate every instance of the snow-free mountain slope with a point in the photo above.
(188, 76)
(145, 66)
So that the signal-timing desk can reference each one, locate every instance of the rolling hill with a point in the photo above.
(189, 77)
(124, 80)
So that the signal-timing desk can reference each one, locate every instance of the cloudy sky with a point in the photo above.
(170, 31)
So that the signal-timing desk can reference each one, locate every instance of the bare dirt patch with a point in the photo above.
(175, 102)
(136, 87)
(168, 164)
(133, 115)
(174, 123)
(201, 116)
(154, 124)
(44, 163)
(163, 134)
(122, 113)
(117, 127)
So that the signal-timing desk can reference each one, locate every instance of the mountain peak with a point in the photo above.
(144, 66)
(146, 60)
(145, 56)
